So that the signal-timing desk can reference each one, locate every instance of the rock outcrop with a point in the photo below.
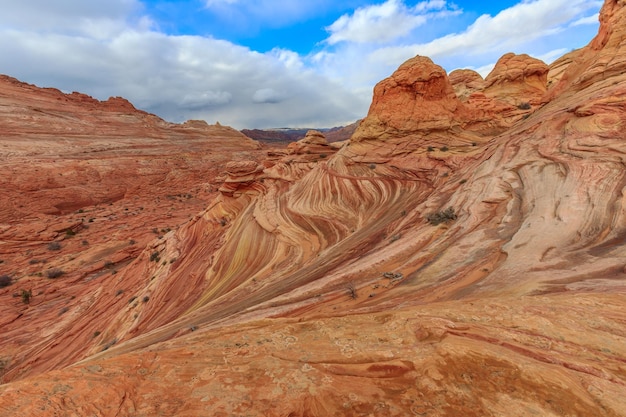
(418, 97)
(518, 80)
(466, 82)
(434, 265)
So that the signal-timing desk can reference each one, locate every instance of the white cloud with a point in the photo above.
(196, 101)
(267, 95)
(522, 23)
(425, 6)
(182, 77)
(76, 17)
(289, 58)
(550, 56)
(381, 23)
(589, 20)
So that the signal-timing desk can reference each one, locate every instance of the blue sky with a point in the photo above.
(270, 63)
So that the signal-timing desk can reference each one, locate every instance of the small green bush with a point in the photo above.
(26, 296)
(54, 246)
(352, 291)
(5, 281)
(54, 273)
(444, 216)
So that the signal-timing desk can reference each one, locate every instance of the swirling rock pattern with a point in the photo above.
(315, 286)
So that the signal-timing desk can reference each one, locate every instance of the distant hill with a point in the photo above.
(288, 135)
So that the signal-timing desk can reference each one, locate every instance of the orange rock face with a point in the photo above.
(465, 82)
(417, 97)
(518, 80)
(422, 269)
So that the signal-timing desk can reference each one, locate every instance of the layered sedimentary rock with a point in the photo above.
(517, 79)
(87, 186)
(465, 82)
(422, 269)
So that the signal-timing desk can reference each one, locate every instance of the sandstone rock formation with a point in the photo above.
(465, 82)
(423, 269)
(517, 79)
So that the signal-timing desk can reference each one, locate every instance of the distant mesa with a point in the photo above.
(41, 112)
(288, 135)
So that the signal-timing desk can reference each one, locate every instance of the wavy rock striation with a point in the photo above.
(450, 259)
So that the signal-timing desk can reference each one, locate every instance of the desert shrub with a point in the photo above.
(430, 149)
(524, 106)
(54, 273)
(109, 344)
(26, 295)
(352, 291)
(54, 246)
(444, 216)
(5, 281)
(154, 256)
(444, 149)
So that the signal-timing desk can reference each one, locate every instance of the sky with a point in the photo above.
(270, 63)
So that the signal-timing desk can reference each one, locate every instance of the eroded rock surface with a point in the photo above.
(434, 265)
